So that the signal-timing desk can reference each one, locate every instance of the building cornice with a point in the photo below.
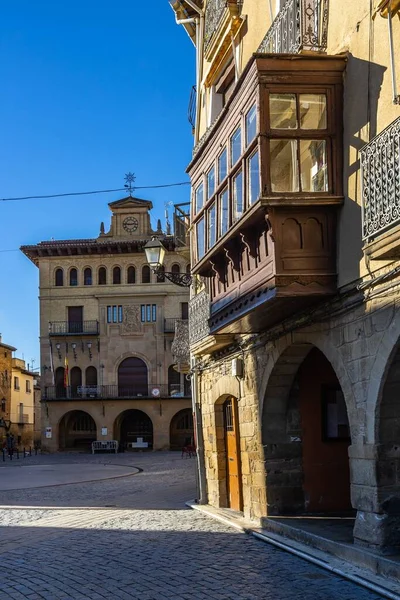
(89, 247)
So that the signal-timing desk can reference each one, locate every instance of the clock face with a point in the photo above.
(130, 224)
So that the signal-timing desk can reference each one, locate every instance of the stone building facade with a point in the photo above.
(22, 407)
(294, 317)
(6, 352)
(106, 328)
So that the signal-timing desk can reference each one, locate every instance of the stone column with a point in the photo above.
(373, 472)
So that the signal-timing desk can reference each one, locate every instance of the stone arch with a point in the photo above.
(117, 275)
(181, 429)
(132, 377)
(384, 355)
(131, 426)
(102, 275)
(286, 348)
(73, 277)
(305, 434)
(59, 277)
(77, 430)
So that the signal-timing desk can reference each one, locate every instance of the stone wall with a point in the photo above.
(360, 344)
(105, 413)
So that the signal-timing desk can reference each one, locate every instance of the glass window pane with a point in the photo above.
(212, 226)
(200, 239)
(254, 178)
(238, 196)
(148, 313)
(143, 312)
(119, 314)
(282, 109)
(313, 167)
(154, 313)
(199, 198)
(114, 308)
(222, 167)
(210, 183)
(313, 111)
(109, 314)
(223, 213)
(251, 125)
(236, 146)
(284, 171)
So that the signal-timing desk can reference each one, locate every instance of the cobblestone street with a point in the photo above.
(132, 537)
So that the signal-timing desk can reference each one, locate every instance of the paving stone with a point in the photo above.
(149, 547)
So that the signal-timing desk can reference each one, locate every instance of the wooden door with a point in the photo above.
(75, 319)
(233, 472)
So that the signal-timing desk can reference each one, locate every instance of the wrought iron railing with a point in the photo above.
(380, 172)
(199, 313)
(214, 12)
(170, 324)
(74, 328)
(192, 107)
(92, 392)
(180, 346)
(299, 25)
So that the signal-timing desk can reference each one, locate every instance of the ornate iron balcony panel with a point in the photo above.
(299, 25)
(380, 164)
(214, 11)
(199, 313)
(180, 346)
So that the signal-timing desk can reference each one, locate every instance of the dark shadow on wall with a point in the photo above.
(362, 87)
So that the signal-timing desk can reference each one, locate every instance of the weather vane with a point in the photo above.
(130, 180)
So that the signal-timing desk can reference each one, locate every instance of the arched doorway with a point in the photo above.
(306, 435)
(76, 381)
(174, 382)
(181, 431)
(388, 463)
(132, 377)
(60, 383)
(228, 451)
(77, 431)
(134, 430)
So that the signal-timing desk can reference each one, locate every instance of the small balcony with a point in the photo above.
(180, 346)
(380, 164)
(169, 325)
(299, 25)
(115, 392)
(57, 328)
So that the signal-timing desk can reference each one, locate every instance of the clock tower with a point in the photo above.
(130, 219)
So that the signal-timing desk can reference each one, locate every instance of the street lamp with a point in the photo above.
(155, 253)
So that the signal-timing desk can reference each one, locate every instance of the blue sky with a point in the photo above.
(89, 91)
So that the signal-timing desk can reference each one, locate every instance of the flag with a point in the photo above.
(66, 373)
(52, 364)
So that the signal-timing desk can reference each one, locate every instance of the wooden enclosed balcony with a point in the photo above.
(267, 185)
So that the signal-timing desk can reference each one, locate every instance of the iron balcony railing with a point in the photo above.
(170, 324)
(73, 328)
(199, 313)
(299, 25)
(192, 107)
(60, 392)
(380, 173)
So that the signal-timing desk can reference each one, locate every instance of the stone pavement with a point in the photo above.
(133, 538)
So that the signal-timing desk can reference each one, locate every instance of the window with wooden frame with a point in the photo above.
(299, 142)
(230, 184)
